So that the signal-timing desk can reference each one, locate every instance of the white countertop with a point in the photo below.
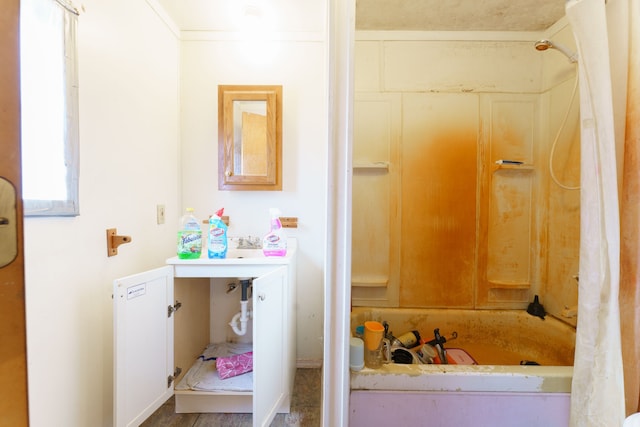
(249, 262)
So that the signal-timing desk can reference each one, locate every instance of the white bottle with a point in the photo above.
(189, 236)
(275, 242)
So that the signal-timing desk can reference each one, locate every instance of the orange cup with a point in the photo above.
(373, 334)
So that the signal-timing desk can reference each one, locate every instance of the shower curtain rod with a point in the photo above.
(68, 6)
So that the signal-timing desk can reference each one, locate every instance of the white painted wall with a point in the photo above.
(148, 130)
(129, 151)
(297, 62)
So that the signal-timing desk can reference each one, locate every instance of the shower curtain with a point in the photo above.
(630, 223)
(597, 391)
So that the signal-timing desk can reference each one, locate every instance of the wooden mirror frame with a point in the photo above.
(228, 177)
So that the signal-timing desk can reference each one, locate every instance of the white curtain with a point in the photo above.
(597, 393)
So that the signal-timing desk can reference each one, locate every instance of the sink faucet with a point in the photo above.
(439, 345)
(388, 335)
(249, 242)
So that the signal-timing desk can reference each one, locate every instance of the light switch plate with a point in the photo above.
(160, 214)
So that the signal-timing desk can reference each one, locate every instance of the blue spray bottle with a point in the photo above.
(217, 243)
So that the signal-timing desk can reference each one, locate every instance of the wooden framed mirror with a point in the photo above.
(249, 137)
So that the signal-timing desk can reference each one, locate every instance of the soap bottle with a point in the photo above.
(275, 242)
(217, 244)
(189, 236)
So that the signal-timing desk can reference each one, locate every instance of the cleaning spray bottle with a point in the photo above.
(189, 236)
(275, 242)
(217, 244)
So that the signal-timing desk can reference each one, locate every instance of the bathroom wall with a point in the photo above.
(129, 143)
(295, 59)
(148, 136)
(438, 109)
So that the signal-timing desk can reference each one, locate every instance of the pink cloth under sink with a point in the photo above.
(235, 365)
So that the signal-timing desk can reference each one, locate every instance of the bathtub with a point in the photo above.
(498, 391)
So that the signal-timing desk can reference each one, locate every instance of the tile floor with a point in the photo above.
(305, 409)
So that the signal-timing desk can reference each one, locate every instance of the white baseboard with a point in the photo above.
(309, 363)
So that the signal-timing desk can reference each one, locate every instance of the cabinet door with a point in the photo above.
(143, 344)
(269, 353)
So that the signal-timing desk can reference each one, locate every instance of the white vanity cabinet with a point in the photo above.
(145, 309)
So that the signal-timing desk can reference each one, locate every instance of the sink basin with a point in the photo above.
(238, 263)
(245, 253)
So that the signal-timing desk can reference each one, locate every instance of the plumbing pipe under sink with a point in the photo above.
(244, 315)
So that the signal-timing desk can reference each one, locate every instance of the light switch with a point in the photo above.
(160, 214)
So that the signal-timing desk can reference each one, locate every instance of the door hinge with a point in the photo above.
(173, 308)
(175, 375)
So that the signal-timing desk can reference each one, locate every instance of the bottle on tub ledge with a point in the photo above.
(217, 243)
(275, 241)
(189, 236)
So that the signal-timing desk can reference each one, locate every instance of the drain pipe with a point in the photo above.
(244, 315)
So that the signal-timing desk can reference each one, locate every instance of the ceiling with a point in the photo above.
(458, 15)
(407, 15)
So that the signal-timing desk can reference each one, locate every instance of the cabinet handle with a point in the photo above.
(261, 297)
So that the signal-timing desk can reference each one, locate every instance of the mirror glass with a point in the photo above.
(249, 137)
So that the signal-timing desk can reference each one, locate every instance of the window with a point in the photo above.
(49, 97)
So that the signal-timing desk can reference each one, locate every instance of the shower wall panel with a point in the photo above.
(560, 289)
(459, 66)
(376, 213)
(439, 193)
(509, 238)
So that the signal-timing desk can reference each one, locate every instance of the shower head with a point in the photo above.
(542, 45)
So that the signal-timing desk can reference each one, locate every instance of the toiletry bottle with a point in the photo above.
(189, 236)
(275, 242)
(217, 243)
(410, 339)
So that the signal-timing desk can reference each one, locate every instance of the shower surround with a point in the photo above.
(441, 218)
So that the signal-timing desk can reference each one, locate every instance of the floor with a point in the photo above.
(305, 409)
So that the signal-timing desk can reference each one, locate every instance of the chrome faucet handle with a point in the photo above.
(386, 351)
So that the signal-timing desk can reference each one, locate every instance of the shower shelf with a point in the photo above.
(371, 165)
(509, 166)
(370, 282)
(496, 284)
